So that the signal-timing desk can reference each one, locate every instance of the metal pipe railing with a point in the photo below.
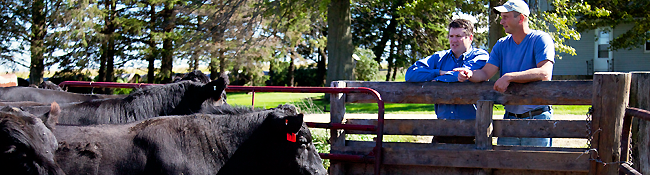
(625, 136)
(377, 158)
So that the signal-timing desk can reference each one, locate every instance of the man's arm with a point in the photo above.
(422, 71)
(477, 75)
(543, 72)
(476, 60)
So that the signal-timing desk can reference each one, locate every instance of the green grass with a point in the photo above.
(313, 103)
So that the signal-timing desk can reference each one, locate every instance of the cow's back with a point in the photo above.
(42, 95)
(98, 149)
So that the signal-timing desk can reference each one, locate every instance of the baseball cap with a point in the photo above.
(514, 5)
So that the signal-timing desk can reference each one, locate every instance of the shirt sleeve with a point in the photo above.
(495, 55)
(422, 70)
(475, 61)
(544, 49)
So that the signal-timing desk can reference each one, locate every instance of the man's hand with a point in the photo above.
(464, 74)
(502, 84)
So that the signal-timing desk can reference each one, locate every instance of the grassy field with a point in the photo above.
(313, 103)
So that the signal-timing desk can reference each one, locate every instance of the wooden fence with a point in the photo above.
(608, 94)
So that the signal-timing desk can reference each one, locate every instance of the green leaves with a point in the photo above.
(562, 19)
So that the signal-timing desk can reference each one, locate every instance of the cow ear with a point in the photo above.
(293, 123)
(52, 117)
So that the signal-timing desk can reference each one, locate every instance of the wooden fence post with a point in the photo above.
(610, 98)
(484, 124)
(640, 98)
(484, 112)
(337, 136)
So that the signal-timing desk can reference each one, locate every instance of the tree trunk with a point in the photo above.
(388, 33)
(151, 58)
(37, 42)
(217, 69)
(322, 69)
(391, 58)
(339, 42)
(394, 72)
(169, 20)
(271, 74)
(101, 75)
(292, 68)
(222, 62)
(110, 47)
(213, 68)
(496, 30)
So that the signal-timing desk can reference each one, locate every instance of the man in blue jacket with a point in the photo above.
(440, 66)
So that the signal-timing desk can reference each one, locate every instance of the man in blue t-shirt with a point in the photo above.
(524, 56)
(439, 67)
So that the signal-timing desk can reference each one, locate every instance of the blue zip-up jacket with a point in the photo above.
(428, 69)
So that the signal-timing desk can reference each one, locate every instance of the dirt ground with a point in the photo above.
(557, 142)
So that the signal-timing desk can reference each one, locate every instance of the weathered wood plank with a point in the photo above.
(501, 127)
(539, 93)
(337, 136)
(496, 159)
(540, 128)
(484, 124)
(366, 169)
(640, 98)
(611, 95)
(428, 146)
(419, 127)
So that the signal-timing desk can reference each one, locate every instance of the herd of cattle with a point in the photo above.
(179, 128)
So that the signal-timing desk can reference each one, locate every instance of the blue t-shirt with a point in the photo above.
(509, 56)
(428, 69)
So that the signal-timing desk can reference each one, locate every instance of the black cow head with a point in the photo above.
(27, 145)
(282, 145)
(216, 89)
(295, 149)
(198, 76)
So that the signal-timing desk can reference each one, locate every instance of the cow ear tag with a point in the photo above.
(290, 136)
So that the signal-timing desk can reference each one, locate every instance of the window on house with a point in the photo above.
(603, 44)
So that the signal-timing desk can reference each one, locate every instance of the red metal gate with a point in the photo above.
(375, 156)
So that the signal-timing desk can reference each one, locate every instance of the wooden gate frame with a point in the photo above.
(608, 93)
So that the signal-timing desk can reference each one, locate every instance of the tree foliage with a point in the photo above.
(563, 18)
(366, 67)
(633, 12)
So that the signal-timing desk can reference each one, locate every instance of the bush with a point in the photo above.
(303, 75)
(248, 77)
(366, 68)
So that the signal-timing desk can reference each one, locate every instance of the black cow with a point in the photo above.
(27, 145)
(19, 104)
(180, 98)
(18, 93)
(49, 85)
(262, 142)
(199, 76)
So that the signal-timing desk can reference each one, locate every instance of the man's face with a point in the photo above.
(509, 21)
(459, 42)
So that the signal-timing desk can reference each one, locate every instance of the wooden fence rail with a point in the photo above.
(608, 94)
